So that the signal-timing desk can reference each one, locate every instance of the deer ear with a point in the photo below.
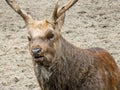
(60, 21)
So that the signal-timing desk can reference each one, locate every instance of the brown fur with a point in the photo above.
(61, 66)
(81, 69)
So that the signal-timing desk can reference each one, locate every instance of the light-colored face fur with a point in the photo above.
(43, 35)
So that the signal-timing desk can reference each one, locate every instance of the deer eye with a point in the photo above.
(29, 38)
(50, 36)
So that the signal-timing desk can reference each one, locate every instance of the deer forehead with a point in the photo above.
(42, 25)
(39, 28)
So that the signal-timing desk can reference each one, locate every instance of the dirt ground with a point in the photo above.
(89, 23)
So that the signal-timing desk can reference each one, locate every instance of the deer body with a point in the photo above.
(79, 69)
(59, 65)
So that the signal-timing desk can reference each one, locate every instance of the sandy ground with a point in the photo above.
(90, 23)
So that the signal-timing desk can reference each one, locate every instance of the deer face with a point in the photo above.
(43, 38)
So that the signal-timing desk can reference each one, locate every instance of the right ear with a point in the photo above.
(60, 21)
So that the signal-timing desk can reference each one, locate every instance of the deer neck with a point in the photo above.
(65, 49)
(64, 52)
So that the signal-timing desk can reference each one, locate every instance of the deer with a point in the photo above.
(60, 65)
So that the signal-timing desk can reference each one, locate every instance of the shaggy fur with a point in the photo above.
(79, 69)
(61, 66)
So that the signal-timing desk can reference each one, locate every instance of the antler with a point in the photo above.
(57, 13)
(21, 12)
(66, 7)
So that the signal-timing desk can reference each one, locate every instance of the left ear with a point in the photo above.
(60, 21)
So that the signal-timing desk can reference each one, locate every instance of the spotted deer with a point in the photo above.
(58, 64)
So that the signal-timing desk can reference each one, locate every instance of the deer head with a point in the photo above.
(44, 36)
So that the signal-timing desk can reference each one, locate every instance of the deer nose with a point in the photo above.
(36, 51)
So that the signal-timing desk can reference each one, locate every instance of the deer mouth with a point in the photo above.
(39, 58)
(42, 60)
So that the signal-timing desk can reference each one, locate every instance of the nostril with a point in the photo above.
(36, 50)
